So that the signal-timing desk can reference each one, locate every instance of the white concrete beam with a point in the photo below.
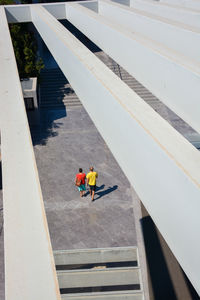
(161, 165)
(194, 4)
(56, 9)
(18, 13)
(21, 13)
(171, 34)
(173, 78)
(93, 5)
(183, 15)
(29, 263)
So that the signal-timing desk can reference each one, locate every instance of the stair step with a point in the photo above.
(60, 102)
(46, 97)
(58, 96)
(96, 255)
(104, 296)
(57, 93)
(53, 82)
(98, 277)
(60, 106)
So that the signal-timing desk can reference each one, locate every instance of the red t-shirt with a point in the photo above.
(81, 176)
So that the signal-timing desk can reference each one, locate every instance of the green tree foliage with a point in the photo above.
(25, 47)
(28, 62)
(6, 2)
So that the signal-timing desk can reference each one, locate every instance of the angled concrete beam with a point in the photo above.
(187, 38)
(29, 264)
(161, 165)
(185, 16)
(173, 78)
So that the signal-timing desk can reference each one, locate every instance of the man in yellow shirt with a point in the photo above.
(91, 181)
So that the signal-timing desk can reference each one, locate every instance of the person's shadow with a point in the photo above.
(97, 189)
(105, 192)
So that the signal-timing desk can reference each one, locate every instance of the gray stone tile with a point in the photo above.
(74, 221)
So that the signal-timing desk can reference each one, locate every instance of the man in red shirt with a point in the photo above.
(80, 182)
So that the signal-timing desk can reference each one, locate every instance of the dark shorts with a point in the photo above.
(92, 187)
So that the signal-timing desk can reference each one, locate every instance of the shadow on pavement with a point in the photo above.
(47, 127)
(105, 192)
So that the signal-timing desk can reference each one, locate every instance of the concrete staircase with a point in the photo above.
(145, 94)
(55, 90)
(106, 274)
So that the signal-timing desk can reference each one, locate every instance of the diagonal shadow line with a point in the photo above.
(105, 192)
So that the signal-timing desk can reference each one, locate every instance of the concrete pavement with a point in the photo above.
(62, 145)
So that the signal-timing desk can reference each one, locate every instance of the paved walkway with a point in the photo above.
(66, 142)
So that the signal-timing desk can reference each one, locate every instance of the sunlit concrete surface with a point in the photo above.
(147, 24)
(154, 65)
(25, 229)
(102, 94)
(193, 4)
(149, 141)
(2, 282)
(177, 13)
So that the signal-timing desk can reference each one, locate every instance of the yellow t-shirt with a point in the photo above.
(91, 176)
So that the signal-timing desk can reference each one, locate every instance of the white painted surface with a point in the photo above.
(183, 15)
(57, 10)
(194, 4)
(21, 13)
(29, 264)
(160, 70)
(160, 164)
(18, 13)
(174, 36)
(91, 5)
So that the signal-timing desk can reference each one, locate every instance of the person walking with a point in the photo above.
(80, 182)
(91, 181)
